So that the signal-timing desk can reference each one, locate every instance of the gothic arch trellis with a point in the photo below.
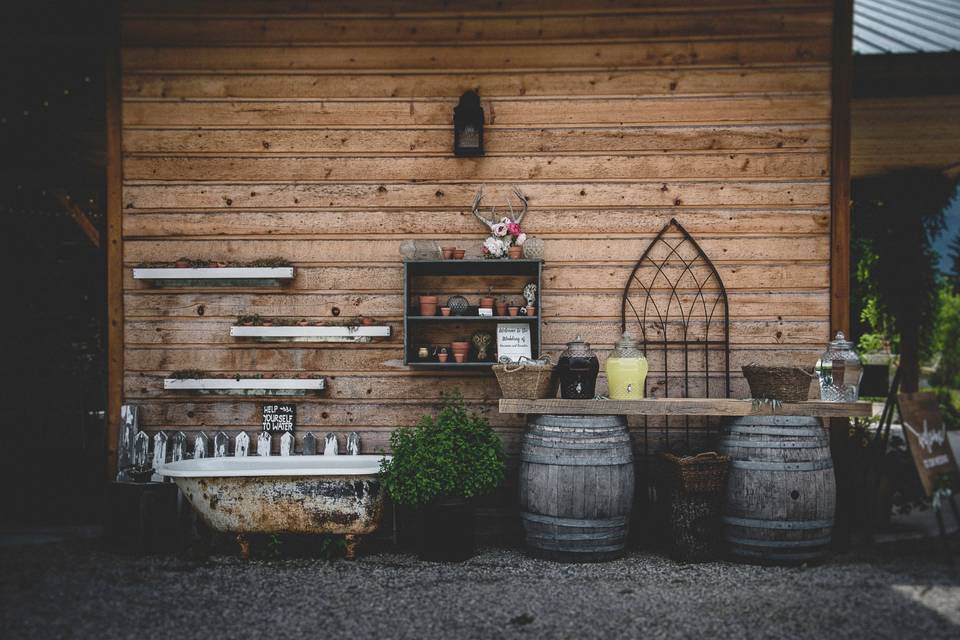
(678, 302)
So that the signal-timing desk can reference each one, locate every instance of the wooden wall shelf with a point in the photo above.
(357, 333)
(686, 407)
(246, 386)
(214, 276)
(473, 278)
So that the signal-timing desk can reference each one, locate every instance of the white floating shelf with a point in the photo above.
(247, 386)
(223, 276)
(359, 333)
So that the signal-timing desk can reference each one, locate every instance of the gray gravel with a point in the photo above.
(73, 590)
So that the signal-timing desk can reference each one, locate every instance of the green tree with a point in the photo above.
(896, 218)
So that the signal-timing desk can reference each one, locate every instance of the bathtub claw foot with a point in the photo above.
(244, 546)
(350, 550)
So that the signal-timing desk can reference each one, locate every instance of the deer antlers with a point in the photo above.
(475, 208)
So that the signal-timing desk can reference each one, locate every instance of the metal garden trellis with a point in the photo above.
(676, 296)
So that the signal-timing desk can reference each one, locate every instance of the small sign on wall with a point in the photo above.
(926, 436)
(513, 341)
(279, 418)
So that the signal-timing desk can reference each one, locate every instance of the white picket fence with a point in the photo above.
(135, 445)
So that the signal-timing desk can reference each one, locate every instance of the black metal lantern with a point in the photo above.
(468, 126)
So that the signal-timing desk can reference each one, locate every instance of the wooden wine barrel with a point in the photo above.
(576, 487)
(781, 492)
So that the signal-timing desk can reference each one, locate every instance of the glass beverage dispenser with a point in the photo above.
(626, 370)
(578, 368)
(839, 371)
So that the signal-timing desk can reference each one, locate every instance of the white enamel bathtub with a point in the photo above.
(284, 494)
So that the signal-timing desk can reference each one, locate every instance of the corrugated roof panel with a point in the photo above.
(906, 26)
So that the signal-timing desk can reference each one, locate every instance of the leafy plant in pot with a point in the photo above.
(437, 469)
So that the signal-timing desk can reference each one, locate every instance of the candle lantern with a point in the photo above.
(839, 371)
(626, 370)
(578, 368)
(468, 126)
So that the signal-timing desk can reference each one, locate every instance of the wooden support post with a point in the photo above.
(114, 239)
(841, 91)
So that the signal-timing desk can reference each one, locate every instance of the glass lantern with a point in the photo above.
(839, 371)
(626, 370)
(578, 368)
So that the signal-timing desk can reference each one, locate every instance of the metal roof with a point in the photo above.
(906, 26)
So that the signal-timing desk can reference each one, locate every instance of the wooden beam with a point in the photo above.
(114, 237)
(79, 216)
(685, 407)
(842, 87)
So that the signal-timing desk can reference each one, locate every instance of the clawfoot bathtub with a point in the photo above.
(286, 494)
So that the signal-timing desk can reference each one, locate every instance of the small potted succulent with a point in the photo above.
(437, 469)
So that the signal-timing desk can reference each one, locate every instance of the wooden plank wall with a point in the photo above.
(321, 132)
(897, 132)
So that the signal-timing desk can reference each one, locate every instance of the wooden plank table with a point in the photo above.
(686, 407)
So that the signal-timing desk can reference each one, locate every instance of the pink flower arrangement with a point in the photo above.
(505, 234)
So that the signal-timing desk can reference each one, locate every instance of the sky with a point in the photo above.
(942, 245)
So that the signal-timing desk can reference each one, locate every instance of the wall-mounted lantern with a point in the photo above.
(468, 126)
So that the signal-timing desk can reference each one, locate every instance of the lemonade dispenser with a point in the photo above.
(626, 370)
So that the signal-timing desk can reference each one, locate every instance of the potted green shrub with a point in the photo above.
(437, 469)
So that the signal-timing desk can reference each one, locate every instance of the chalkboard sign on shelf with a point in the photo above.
(926, 436)
(279, 418)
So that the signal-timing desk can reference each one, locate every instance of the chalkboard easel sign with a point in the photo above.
(279, 418)
(926, 437)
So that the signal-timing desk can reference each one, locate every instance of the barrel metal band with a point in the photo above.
(815, 465)
(577, 550)
(593, 461)
(778, 524)
(773, 431)
(759, 444)
(575, 522)
(781, 544)
(600, 536)
(552, 443)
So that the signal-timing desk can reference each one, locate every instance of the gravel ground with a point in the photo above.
(73, 590)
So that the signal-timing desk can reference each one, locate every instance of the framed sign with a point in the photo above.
(279, 418)
(513, 341)
(926, 436)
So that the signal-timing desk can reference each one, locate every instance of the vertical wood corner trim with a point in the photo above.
(114, 239)
(841, 90)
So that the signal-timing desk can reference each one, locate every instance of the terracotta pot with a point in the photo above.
(303, 323)
(458, 254)
(367, 321)
(442, 357)
(459, 357)
(428, 305)
(531, 311)
(448, 253)
(515, 252)
(460, 347)
(513, 310)
(486, 303)
(445, 311)
(501, 308)
(181, 264)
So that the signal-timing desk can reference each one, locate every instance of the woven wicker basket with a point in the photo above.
(786, 384)
(702, 473)
(526, 380)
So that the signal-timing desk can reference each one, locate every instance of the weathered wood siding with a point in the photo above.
(900, 132)
(321, 132)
